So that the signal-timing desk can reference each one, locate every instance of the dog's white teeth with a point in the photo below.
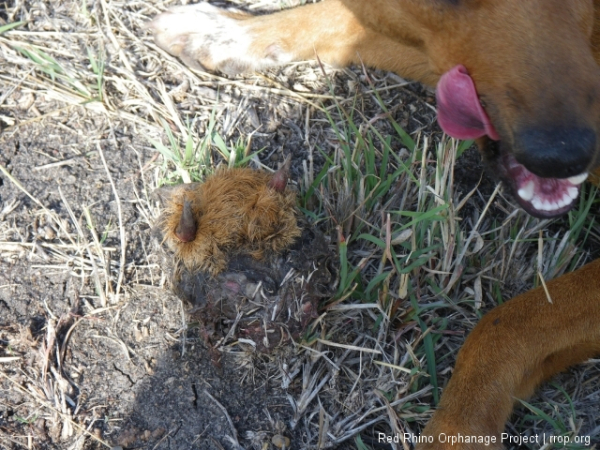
(526, 192)
(564, 201)
(572, 192)
(578, 179)
(547, 205)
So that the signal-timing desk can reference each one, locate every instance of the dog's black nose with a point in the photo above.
(556, 152)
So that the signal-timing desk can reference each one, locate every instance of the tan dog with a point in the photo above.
(521, 77)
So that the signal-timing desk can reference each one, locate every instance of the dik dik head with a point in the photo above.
(521, 76)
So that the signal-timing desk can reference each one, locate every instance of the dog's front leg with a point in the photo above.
(511, 351)
(232, 42)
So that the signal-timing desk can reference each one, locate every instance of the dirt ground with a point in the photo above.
(95, 352)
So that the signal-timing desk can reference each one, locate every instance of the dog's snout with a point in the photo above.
(555, 152)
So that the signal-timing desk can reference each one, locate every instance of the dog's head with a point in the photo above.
(520, 76)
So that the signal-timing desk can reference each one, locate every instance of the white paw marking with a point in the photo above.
(202, 34)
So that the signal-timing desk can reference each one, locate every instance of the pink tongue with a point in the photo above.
(460, 113)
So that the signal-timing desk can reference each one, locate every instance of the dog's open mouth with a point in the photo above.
(540, 197)
(461, 115)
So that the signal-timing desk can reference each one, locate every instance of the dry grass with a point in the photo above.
(422, 256)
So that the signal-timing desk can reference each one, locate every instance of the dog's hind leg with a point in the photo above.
(512, 350)
(232, 42)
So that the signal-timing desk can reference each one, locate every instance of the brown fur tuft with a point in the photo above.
(235, 211)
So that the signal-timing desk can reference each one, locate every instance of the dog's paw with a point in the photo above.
(207, 37)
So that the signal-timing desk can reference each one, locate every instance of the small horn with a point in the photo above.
(280, 178)
(186, 229)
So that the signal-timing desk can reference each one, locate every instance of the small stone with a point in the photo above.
(280, 441)
(49, 233)
(158, 433)
(128, 437)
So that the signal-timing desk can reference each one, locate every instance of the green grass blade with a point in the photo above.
(10, 26)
